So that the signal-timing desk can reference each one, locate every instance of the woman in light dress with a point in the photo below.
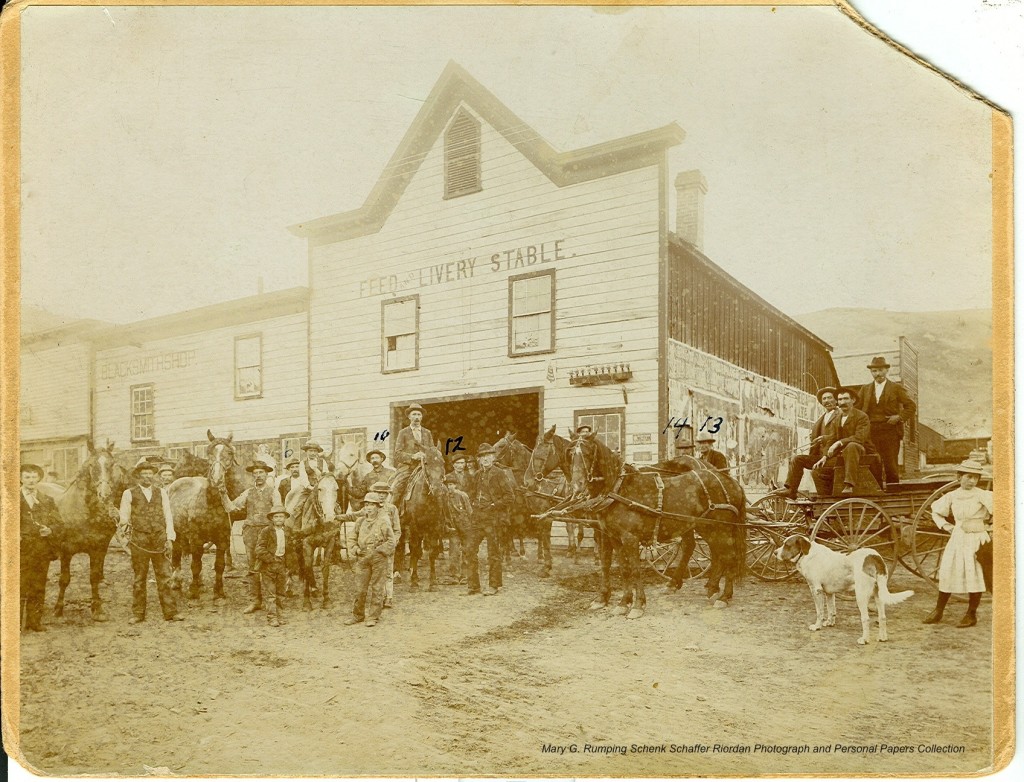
(959, 570)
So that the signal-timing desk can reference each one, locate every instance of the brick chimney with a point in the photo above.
(691, 186)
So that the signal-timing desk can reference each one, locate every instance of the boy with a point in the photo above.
(271, 545)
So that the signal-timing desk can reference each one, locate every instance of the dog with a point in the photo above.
(828, 572)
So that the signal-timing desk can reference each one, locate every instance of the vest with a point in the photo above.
(258, 503)
(149, 528)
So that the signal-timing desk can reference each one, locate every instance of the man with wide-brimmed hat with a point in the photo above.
(257, 501)
(889, 409)
(805, 461)
(491, 494)
(147, 524)
(165, 473)
(371, 542)
(708, 455)
(378, 474)
(848, 436)
(41, 532)
(313, 464)
(410, 446)
(271, 549)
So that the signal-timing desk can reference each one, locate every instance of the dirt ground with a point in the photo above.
(468, 686)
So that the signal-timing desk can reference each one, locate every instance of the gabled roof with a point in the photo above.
(453, 88)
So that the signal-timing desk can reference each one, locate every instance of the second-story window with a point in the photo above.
(400, 334)
(249, 367)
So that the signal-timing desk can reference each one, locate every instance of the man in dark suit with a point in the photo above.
(290, 480)
(412, 441)
(805, 461)
(706, 453)
(491, 494)
(41, 529)
(888, 407)
(849, 436)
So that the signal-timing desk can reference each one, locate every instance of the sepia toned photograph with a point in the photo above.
(493, 391)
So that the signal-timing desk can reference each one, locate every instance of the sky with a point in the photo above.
(165, 151)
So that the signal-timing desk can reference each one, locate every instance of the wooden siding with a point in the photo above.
(711, 312)
(54, 396)
(193, 378)
(605, 299)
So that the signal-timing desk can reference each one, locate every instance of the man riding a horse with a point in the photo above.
(410, 449)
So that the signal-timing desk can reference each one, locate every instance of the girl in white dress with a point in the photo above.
(959, 570)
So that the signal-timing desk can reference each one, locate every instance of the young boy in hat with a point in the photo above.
(41, 528)
(271, 547)
(146, 518)
(373, 542)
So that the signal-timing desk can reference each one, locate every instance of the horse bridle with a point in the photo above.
(219, 461)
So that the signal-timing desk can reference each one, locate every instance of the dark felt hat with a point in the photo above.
(258, 466)
(484, 449)
(383, 455)
(879, 362)
(826, 390)
(413, 406)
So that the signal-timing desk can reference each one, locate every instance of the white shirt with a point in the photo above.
(280, 542)
(879, 388)
(31, 499)
(417, 432)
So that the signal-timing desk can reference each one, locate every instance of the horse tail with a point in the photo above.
(739, 538)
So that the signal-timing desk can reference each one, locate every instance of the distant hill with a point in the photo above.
(955, 358)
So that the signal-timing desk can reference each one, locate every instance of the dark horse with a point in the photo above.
(200, 516)
(88, 508)
(312, 525)
(546, 486)
(422, 516)
(514, 457)
(685, 500)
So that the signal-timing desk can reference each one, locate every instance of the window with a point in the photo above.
(531, 313)
(249, 366)
(143, 424)
(66, 462)
(462, 156)
(609, 426)
(176, 453)
(400, 334)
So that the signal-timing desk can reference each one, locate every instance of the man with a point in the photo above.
(166, 474)
(374, 542)
(41, 529)
(290, 480)
(714, 459)
(313, 464)
(458, 478)
(257, 501)
(889, 407)
(148, 526)
(410, 445)
(491, 494)
(378, 474)
(383, 490)
(849, 436)
(805, 461)
(584, 430)
(271, 548)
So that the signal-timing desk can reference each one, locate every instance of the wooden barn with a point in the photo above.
(505, 285)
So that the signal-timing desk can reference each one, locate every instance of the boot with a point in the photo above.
(970, 619)
(936, 616)
(252, 608)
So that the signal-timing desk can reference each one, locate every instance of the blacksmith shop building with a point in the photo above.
(503, 285)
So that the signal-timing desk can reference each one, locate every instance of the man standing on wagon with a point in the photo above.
(257, 500)
(889, 407)
(491, 495)
(148, 526)
(412, 441)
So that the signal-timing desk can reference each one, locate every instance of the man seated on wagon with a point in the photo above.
(805, 461)
(848, 436)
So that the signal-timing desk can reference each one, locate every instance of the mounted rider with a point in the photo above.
(412, 442)
(257, 501)
(314, 464)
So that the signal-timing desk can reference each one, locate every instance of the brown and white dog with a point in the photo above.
(828, 572)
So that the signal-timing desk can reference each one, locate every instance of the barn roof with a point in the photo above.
(454, 88)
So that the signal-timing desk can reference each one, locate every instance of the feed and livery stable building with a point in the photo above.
(505, 285)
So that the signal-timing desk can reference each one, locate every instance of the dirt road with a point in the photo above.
(525, 683)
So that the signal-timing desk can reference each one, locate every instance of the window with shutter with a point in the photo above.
(462, 157)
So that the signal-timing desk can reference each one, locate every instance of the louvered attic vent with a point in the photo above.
(462, 157)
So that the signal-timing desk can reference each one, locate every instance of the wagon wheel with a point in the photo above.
(854, 523)
(929, 541)
(762, 541)
(776, 509)
(663, 557)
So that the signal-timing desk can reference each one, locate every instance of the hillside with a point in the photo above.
(955, 358)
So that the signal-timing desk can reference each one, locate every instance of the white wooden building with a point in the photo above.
(505, 285)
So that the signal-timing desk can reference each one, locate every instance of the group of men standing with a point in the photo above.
(857, 421)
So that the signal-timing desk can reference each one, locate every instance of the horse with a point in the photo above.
(639, 507)
(422, 516)
(546, 490)
(514, 457)
(200, 516)
(313, 526)
(88, 507)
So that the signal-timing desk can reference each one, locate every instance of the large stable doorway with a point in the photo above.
(476, 418)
